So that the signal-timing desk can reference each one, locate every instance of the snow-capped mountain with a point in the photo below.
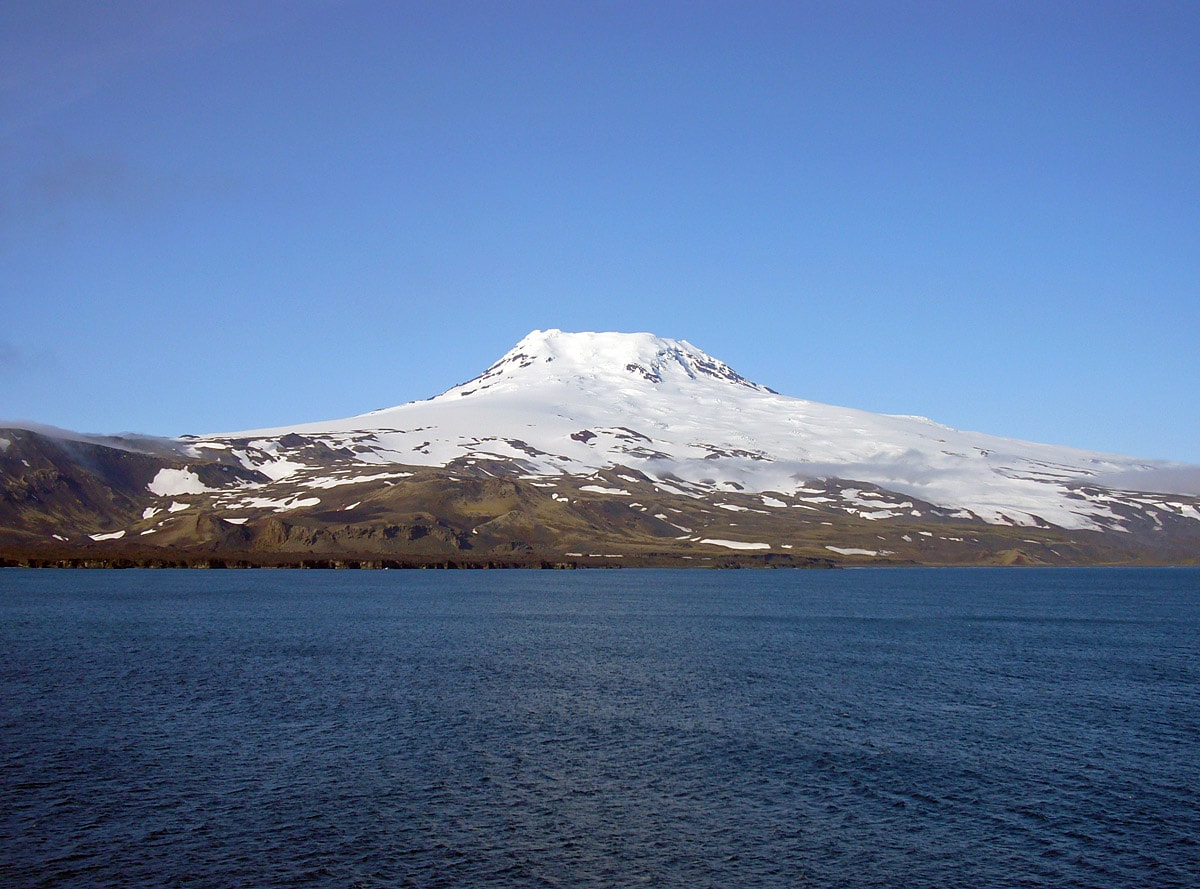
(575, 403)
(575, 448)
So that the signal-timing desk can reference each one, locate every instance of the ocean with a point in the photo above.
(892, 727)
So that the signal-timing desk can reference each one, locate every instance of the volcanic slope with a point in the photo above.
(578, 447)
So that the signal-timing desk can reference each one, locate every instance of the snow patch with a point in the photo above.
(281, 505)
(855, 551)
(326, 483)
(597, 489)
(115, 535)
(169, 482)
(277, 470)
(874, 516)
(662, 486)
(735, 544)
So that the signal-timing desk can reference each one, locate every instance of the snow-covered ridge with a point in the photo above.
(578, 403)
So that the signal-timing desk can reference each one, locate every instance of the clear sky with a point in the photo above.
(225, 214)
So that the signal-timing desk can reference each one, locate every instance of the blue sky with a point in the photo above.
(219, 215)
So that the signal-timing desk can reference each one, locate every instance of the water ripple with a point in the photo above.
(624, 728)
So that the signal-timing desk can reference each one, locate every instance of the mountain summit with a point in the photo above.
(609, 358)
(629, 443)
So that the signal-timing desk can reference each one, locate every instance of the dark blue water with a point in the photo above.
(609, 728)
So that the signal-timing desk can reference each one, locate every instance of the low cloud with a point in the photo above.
(1181, 479)
(12, 360)
(80, 178)
(61, 179)
(19, 361)
(55, 54)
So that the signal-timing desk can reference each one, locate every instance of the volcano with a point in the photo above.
(589, 448)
